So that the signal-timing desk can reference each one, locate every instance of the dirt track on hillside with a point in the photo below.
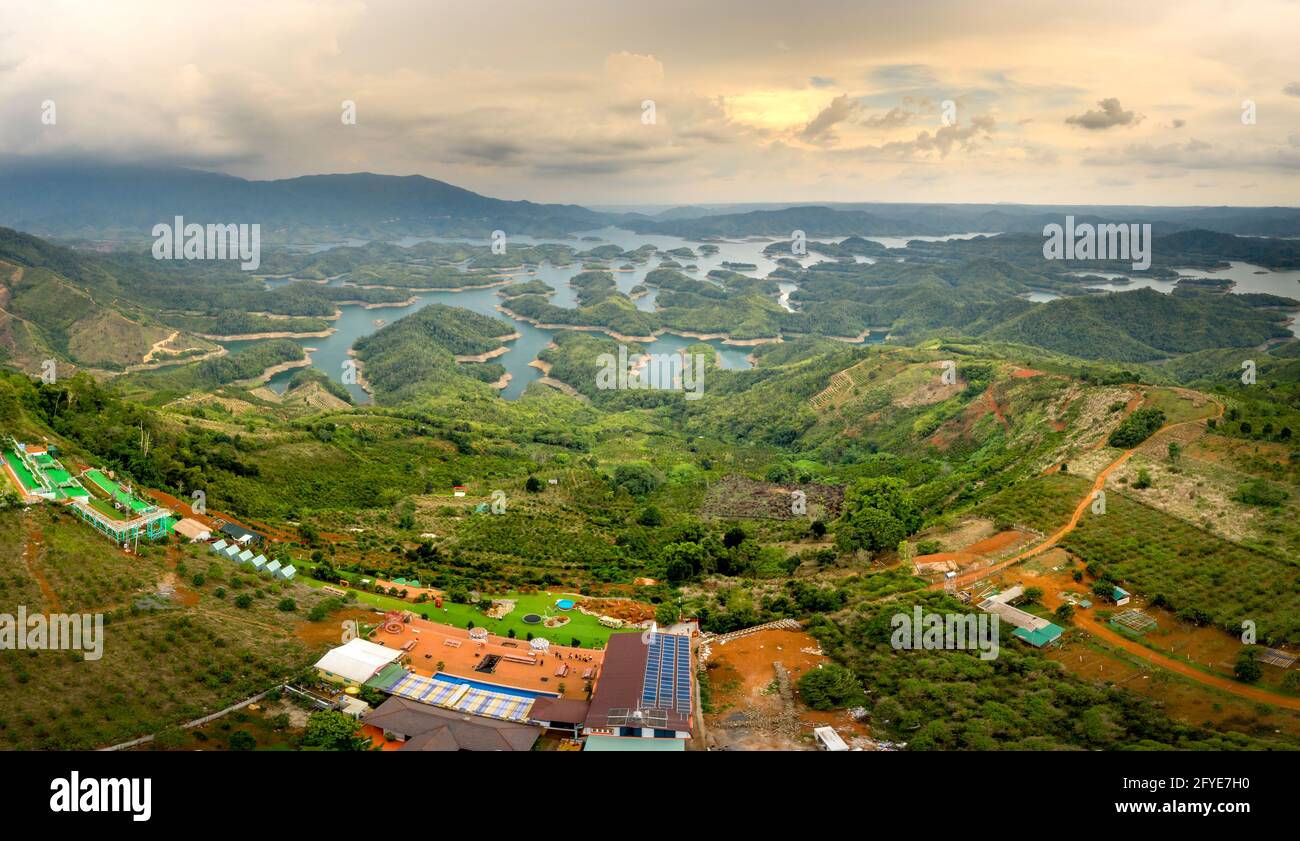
(1089, 623)
(1073, 523)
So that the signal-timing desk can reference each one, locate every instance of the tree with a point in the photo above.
(650, 517)
(1033, 595)
(1136, 428)
(243, 601)
(1143, 479)
(1175, 452)
(682, 561)
(877, 514)
(1064, 614)
(242, 740)
(733, 537)
(780, 474)
(287, 605)
(637, 479)
(818, 529)
(666, 614)
(830, 687)
(533, 485)
(333, 730)
(1247, 669)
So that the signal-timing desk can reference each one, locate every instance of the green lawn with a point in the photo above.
(589, 632)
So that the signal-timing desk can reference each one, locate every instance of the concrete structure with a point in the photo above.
(829, 739)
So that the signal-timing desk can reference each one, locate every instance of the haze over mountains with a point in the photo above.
(96, 200)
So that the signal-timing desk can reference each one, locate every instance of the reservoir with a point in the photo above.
(331, 352)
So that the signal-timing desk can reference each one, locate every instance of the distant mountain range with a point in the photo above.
(91, 200)
(124, 202)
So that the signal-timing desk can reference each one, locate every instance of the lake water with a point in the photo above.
(331, 352)
(1246, 277)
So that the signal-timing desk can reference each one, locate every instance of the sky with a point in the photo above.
(1195, 102)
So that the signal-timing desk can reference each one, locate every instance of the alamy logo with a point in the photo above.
(1099, 242)
(659, 371)
(180, 241)
(921, 631)
(120, 794)
(82, 632)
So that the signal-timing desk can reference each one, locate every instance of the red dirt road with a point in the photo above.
(1099, 629)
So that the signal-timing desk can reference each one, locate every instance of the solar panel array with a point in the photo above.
(667, 683)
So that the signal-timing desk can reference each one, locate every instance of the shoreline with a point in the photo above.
(283, 334)
(467, 288)
(362, 382)
(265, 377)
(153, 366)
(685, 334)
(491, 354)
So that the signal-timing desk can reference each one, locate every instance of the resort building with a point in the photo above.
(238, 534)
(644, 691)
(192, 530)
(425, 728)
(1029, 628)
(536, 667)
(355, 662)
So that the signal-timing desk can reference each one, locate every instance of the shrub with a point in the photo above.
(1136, 428)
(830, 687)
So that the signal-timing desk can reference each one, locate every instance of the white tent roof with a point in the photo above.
(357, 660)
(830, 738)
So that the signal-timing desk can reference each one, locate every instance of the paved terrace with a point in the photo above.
(518, 667)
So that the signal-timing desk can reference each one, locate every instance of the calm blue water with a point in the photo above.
(331, 352)
(1246, 277)
(492, 687)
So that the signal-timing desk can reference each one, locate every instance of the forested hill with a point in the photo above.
(417, 353)
(1123, 327)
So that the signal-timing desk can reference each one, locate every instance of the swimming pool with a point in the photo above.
(492, 687)
(564, 604)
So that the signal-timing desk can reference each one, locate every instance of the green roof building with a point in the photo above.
(1041, 637)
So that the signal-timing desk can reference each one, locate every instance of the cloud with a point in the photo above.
(1197, 154)
(965, 137)
(1176, 124)
(892, 118)
(821, 82)
(820, 129)
(1111, 114)
(1292, 89)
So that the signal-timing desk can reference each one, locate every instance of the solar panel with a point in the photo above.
(667, 681)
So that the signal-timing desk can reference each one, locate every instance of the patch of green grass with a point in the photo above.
(586, 629)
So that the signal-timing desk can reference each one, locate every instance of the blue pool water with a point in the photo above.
(564, 604)
(492, 687)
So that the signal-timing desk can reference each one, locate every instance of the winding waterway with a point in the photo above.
(331, 352)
